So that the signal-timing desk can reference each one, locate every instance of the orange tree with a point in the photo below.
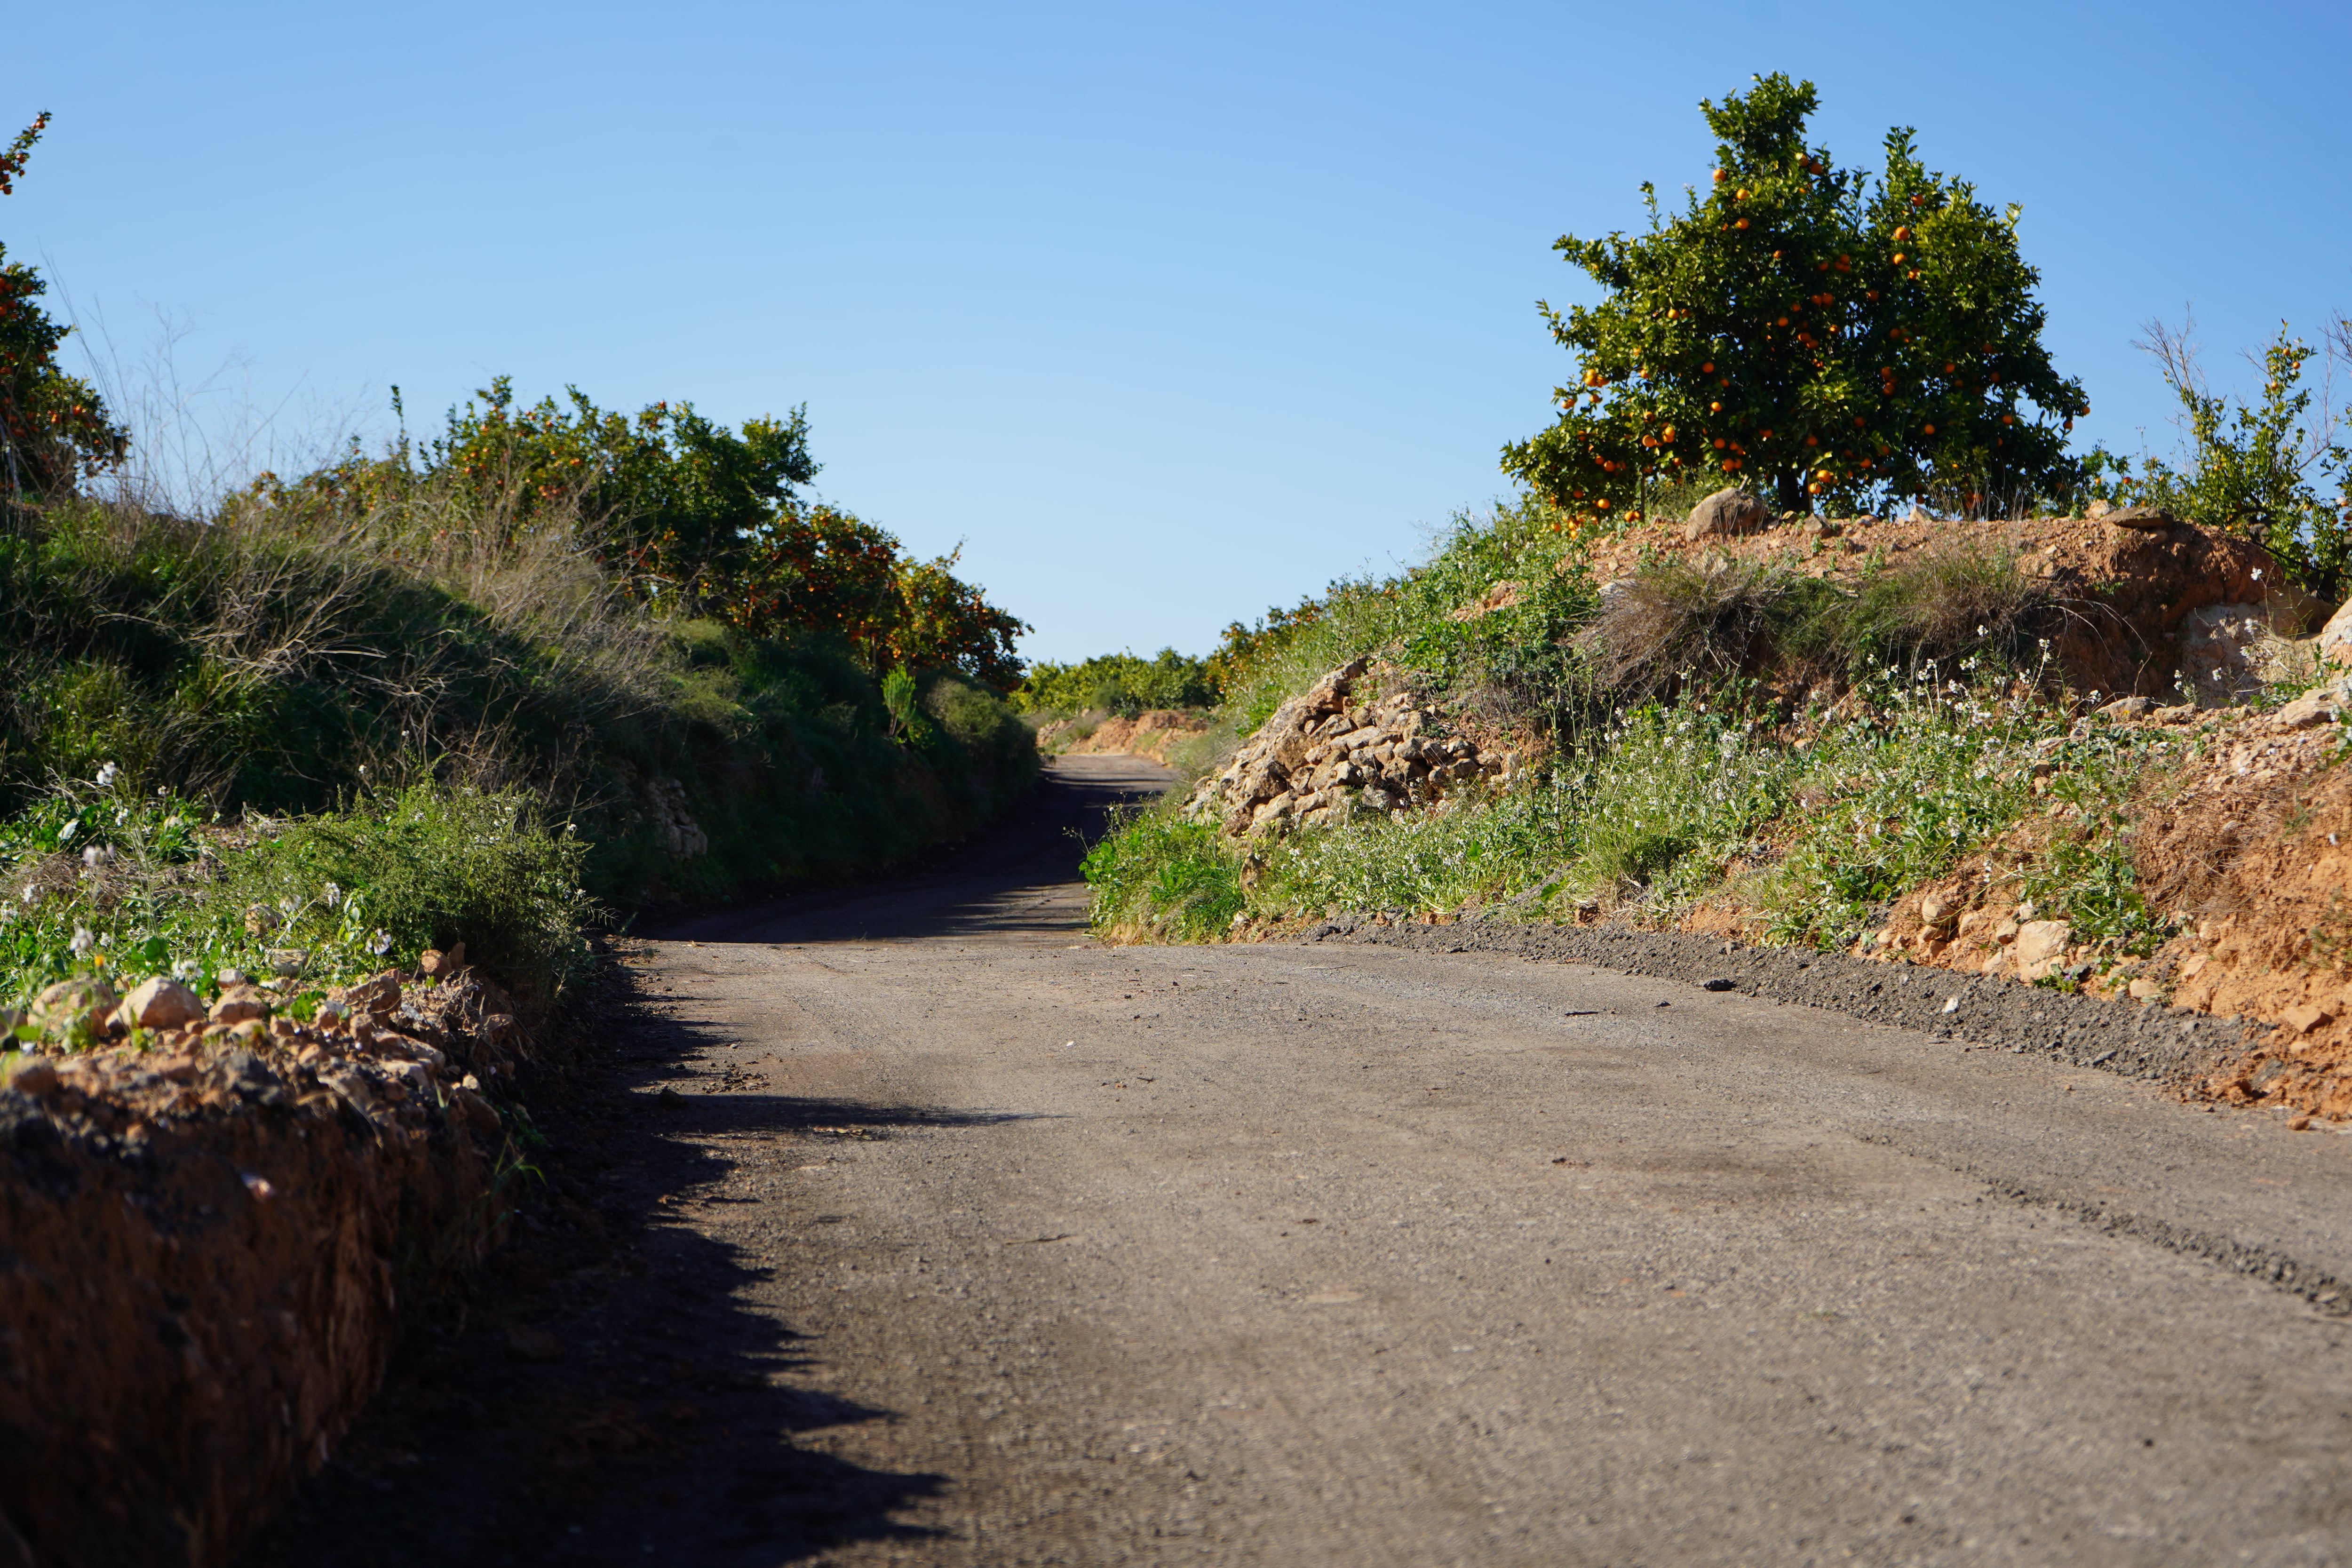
(1806, 330)
(702, 519)
(53, 426)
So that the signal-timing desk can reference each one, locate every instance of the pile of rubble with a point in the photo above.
(1326, 755)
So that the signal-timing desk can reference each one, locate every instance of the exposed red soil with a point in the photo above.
(2124, 592)
(1150, 733)
(209, 1233)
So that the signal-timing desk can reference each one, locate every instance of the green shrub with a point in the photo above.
(2253, 470)
(1156, 874)
(426, 867)
(53, 427)
(1118, 683)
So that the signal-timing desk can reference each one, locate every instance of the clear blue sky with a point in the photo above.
(1168, 313)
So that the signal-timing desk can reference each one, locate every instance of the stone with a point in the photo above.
(2039, 945)
(2128, 708)
(2310, 708)
(2336, 639)
(239, 1004)
(1936, 909)
(673, 827)
(286, 961)
(60, 1008)
(2142, 519)
(2097, 510)
(2303, 1019)
(161, 1005)
(354, 1086)
(378, 993)
(2229, 653)
(32, 1074)
(2143, 988)
(2179, 714)
(1978, 925)
(1730, 511)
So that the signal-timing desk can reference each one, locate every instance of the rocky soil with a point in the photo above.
(1331, 752)
(2177, 1046)
(212, 1223)
(2143, 596)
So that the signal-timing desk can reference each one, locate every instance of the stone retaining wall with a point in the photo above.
(206, 1235)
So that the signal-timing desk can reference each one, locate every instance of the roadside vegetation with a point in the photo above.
(1789, 742)
(552, 660)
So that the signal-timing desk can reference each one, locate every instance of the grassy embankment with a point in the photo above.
(1747, 748)
(390, 706)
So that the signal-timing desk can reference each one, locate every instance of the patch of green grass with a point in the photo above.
(122, 883)
(1812, 828)
(1157, 875)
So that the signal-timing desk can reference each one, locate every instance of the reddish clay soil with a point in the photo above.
(1150, 733)
(2124, 591)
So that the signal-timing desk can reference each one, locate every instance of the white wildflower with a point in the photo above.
(106, 776)
(332, 894)
(380, 943)
(82, 941)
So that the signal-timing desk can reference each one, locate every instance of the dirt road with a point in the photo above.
(950, 1236)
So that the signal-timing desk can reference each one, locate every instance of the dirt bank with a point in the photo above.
(2125, 593)
(1155, 733)
(211, 1233)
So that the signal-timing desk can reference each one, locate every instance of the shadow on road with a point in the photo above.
(603, 1392)
(1020, 882)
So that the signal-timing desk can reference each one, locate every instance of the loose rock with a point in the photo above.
(1726, 513)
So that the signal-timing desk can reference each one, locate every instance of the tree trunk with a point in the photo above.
(1789, 490)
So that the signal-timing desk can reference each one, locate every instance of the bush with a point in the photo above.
(2253, 471)
(310, 639)
(1118, 683)
(1675, 623)
(1155, 873)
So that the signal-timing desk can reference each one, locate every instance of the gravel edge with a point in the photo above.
(2175, 1046)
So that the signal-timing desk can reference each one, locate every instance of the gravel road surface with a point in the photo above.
(962, 1240)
